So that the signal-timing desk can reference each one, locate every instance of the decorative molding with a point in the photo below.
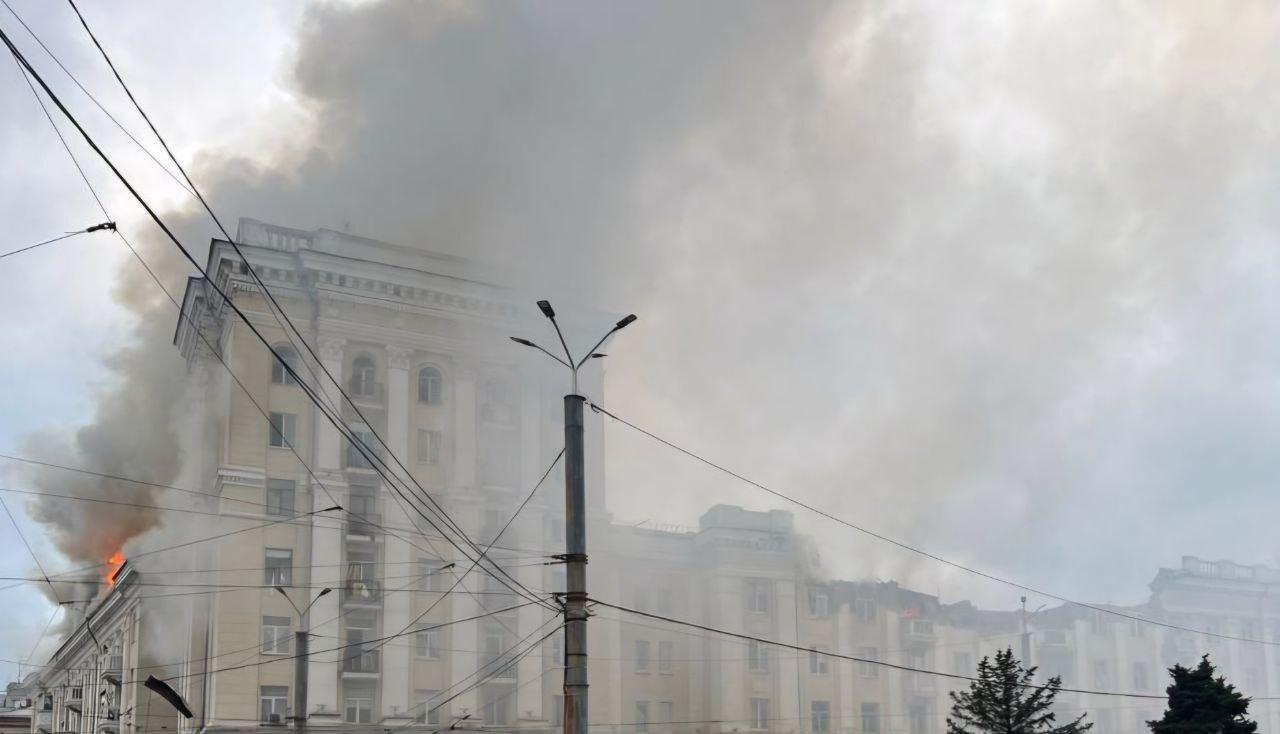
(332, 348)
(399, 358)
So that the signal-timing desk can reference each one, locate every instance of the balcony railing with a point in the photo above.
(919, 628)
(358, 592)
(361, 662)
(373, 393)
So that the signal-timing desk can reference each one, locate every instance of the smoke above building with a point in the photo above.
(964, 277)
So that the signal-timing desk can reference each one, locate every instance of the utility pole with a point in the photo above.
(1026, 637)
(575, 521)
(301, 646)
(575, 600)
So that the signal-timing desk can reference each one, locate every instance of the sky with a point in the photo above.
(998, 281)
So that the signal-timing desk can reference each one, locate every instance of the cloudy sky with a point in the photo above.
(997, 280)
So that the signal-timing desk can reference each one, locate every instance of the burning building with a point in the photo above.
(301, 531)
(94, 682)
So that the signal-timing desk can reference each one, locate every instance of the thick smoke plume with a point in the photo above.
(964, 277)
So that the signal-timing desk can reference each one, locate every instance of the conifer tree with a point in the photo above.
(1199, 703)
(1003, 700)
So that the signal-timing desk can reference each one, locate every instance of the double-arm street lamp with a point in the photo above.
(301, 642)
(575, 557)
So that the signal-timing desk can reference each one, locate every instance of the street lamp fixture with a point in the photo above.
(571, 363)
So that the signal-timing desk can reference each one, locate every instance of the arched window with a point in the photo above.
(363, 372)
(430, 385)
(280, 375)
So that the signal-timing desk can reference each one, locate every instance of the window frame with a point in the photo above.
(271, 575)
(277, 699)
(277, 643)
(277, 486)
(282, 430)
(434, 396)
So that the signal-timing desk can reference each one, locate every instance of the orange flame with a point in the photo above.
(113, 564)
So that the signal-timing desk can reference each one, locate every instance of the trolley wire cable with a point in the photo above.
(911, 548)
(282, 318)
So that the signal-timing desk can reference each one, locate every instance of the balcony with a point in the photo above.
(361, 593)
(919, 629)
(368, 525)
(367, 394)
(361, 663)
(111, 668)
(1054, 638)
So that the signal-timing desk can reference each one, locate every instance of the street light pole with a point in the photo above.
(575, 516)
(301, 644)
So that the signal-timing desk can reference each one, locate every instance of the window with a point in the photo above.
(426, 711)
(363, 373)
(1141, 679)
(819, 603)
(864, 610)
(280, 497)
(495, 706)
(642, 716)
(868, 669)
(871, 718)
(275, 636)
(820, 717)
(279, 567)
(557, 711)
(284, 427)
(1098, 623)
(557, 651)
(962, 663)
(1137, 629)
(427, 644)
(666, 712)
(642, 598)
(273, 704)
(360, 446)
(280, 375)
(818, 663)
(918, 718)
(430, 575)
(759, 713)
(428, 446)
(359, 705)
(430, 385)
(642, 656)
(1102, 673)
(664, 656)
(923, 627)
(757, 657)
(758, 596)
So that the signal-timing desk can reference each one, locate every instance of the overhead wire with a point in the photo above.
(86, 230)
(94, 99)
(26, 68)
(855, 658)
(280, 314)
(330, 413)
(911, 548)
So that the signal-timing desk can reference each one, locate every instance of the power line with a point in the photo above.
(282, 318)
(853, 658)
(94, 228)
(92, 98)
(913, 549)
(21, 535)
(329, 414)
